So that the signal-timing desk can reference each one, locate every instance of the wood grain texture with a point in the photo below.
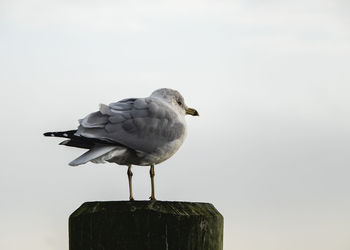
(146, 225)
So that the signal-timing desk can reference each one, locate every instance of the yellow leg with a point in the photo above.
(152, 174)
(131, 197)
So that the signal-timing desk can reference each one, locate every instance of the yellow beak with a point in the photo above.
(190, 111)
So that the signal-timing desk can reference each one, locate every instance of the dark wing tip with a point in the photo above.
(64, 134)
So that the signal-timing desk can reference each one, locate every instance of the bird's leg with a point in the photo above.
(131, 197)
(152, 174)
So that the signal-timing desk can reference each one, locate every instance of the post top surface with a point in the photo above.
(177, 208)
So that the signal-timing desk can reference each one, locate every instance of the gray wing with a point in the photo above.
(142, 124)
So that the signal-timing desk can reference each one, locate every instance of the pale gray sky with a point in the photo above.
(269, 78)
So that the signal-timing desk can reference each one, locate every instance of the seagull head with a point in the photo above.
(175, 99)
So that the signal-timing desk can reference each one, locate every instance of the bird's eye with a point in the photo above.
(179, 102)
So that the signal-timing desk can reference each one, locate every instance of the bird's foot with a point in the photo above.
(152, 198)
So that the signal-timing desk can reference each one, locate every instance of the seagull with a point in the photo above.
(133, 131)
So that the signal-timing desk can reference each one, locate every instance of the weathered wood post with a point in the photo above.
(146, 225)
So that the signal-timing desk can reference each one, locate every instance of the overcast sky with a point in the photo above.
(270, 79)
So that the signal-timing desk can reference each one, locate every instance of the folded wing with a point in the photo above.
(142, 124)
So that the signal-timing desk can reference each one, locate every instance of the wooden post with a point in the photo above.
(146, 225)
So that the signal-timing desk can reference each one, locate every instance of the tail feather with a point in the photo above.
(92, 154)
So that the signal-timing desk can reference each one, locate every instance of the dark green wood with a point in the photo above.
(146, 225)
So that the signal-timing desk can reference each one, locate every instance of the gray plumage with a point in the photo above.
(138, 131)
